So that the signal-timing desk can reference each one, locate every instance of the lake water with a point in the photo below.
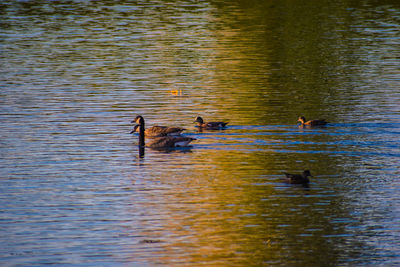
(74, 190)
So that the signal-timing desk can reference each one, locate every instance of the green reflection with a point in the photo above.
(269, 63)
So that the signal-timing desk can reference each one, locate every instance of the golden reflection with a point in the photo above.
(225, 206)
(176, 92)
(228, 204)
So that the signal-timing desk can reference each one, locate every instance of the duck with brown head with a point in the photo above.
(304, 122)
(160, 142)
(213, 125)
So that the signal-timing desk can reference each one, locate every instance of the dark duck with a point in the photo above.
(213, 125)
(298, 178)
(304, 122)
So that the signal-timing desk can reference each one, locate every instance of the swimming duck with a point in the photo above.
(210, 125)
(170, 141)
(157, 131)
(303, 121)
(298, 178)
(160, 142)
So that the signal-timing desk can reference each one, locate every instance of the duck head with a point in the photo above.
(307, 173)
(199, 120)
(302, 119)
(139, 120)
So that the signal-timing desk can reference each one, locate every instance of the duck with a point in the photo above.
(160, 142)
(210, 125)
(158, 131)
(303, 121)
(170, 142)
(298, 178)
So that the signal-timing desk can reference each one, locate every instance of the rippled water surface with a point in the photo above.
(75, 191)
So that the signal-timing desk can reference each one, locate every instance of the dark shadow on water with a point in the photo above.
(187, 149)
(287, 184)
(301, 126)
(141, 151)
(202, 130)
(166, 150)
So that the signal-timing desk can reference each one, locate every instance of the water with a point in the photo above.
(74, 189)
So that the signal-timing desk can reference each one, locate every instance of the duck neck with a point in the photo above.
(141, 134)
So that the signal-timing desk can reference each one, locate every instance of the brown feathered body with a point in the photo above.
(158, 131)
(170, 141)
(167, 141)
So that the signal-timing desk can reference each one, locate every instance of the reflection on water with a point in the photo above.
(75, 190)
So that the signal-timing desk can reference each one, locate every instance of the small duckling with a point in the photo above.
(210, 125)
(298, 178)
(303, 121)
